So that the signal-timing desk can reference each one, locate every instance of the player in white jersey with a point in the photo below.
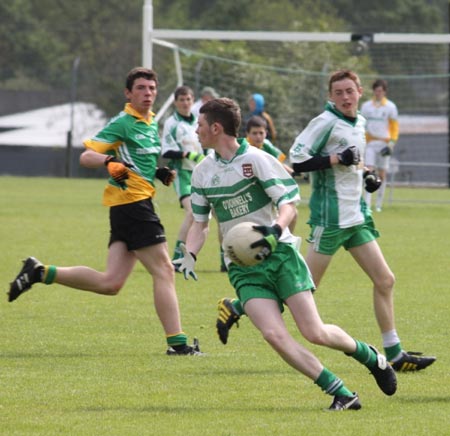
(339, 216)
(381, 134)
(243, 183)
(180, 145)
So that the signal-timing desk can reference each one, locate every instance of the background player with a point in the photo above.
(180, 145)
(381, 135)
(206, 94)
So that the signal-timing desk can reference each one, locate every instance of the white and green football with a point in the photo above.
(237, 243)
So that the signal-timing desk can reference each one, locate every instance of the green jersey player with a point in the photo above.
(330, 147)
(180, 145)
(243, 183)
(129, 147)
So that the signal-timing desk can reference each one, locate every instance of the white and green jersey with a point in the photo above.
(249, 187)
(179, 135)
(336, 192)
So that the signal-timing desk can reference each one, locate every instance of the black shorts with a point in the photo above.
(136, 224)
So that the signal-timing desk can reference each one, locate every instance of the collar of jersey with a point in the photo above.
(383, 102)
(253, 145)
(330, 107)
(130, 110)
(180, 117)
(243, 146)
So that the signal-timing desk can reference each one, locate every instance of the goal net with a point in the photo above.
(293, 77)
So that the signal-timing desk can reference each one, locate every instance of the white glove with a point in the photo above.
(186, 263)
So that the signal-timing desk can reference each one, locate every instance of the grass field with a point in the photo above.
(75, 363)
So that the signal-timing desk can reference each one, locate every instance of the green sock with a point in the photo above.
(49, 274)
(392, 352)
(238, 306)
(178, 339)
(364, 354)
(332, 385)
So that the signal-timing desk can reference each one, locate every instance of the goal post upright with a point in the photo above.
(147, 32)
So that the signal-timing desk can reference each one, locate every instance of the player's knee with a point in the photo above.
(274, 337)
(386, 283)
(316, 337)
(112, 287)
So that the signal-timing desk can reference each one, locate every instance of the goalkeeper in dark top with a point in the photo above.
(129, 147)
(331, 147)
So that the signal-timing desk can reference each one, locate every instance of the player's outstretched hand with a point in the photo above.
(165, 175)
(371, 181)
(117, 169)
(350, 156)
(186, 263)
(269, 243)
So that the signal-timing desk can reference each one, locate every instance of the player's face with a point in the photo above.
(346, 94)
(142, 95)
(257, 135)
(379, 93)
(184, 104)
(205, 133)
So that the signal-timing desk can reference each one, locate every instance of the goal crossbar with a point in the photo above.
(149, 33)
(225, 35)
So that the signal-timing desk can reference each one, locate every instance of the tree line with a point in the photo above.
(40, 39)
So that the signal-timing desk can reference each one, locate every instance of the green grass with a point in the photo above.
(77, 363)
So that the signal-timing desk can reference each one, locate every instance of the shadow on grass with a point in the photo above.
(177, 410)
(425, 400)
(40, 355)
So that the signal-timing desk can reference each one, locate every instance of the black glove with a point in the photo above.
(269, 243)
(371, 181)
(350, 156)
(165, 175)
(117, 169)
(386, 151)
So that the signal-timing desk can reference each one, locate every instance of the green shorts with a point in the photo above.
(281, 275)
(327, 240)
(182, 183)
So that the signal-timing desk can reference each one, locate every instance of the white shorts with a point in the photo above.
(373, 157)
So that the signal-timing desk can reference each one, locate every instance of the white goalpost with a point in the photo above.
(291, 70)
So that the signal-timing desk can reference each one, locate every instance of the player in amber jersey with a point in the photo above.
(129, 147)
(382, 133)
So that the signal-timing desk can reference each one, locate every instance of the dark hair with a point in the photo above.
(378, 83)
(183, 90)
(137, 73)
(224, 111)
(255, 121)
(341, 75)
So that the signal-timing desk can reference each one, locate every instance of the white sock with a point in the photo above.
(380, 194)
(368, 198)
(390, 338)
